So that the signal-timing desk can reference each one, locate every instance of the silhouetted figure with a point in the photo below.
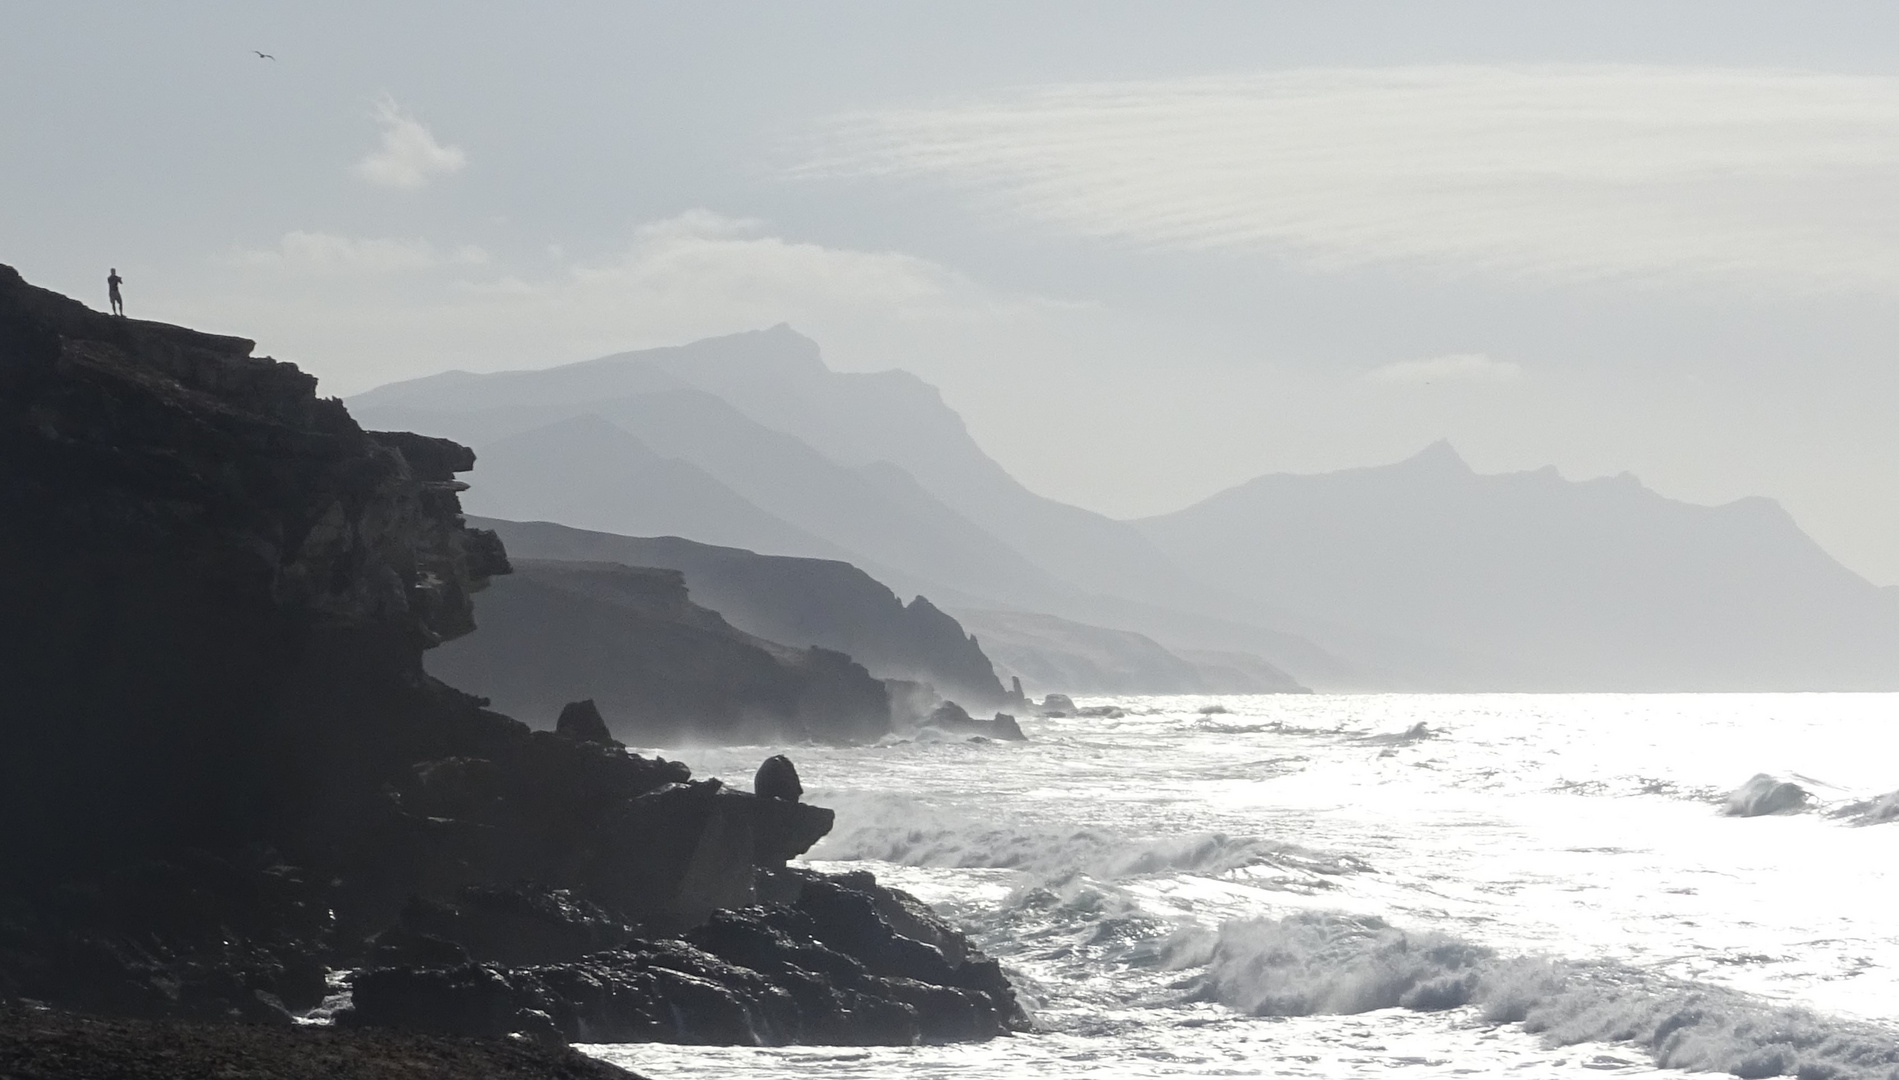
(777, 779)
(112, 292)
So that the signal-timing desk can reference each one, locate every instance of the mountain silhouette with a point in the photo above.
(1421, 575)
(1538, 582)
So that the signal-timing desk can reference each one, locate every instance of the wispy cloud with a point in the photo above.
(409, 157)
(708, 272)
(412, 307)
(1554, 173)
(328, 253)
(1451, 368)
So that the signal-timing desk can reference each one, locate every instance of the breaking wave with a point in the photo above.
(1763, 794)
(1325, 963)
(1871, 811)
(909, 834)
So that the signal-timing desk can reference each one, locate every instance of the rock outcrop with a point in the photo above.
(834, 960)
(777, 778)
(46, 1044)
(227, 776)
(581, 721)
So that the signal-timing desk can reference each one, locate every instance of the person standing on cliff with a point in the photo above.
(112, 283)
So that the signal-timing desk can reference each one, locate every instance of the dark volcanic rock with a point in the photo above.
(227, 775)
(842, 961)
(43, 1044)
(777, 778)
(956, 720)
(582, 720)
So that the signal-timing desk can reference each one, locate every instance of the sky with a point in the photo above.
(1147, 250)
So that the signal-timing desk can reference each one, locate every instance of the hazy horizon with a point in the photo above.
(1187, 500)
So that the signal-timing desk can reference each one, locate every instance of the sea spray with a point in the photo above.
(1318, 963)
(901, 830)
(1101, 863)
(1763, 794)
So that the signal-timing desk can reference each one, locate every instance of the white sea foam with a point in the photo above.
(1871, 811)
(897, 830)
(1324, 886)
(1324, 963)
(1763, 794)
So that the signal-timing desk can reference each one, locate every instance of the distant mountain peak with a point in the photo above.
(1439, 455)
(780, 338)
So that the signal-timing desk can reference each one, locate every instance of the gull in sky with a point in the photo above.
(263, 55)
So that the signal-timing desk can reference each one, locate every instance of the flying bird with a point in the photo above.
(263, 55)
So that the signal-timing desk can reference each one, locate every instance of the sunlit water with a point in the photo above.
(1183, 893)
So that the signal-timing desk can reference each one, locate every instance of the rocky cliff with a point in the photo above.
(796, 601)
(227, 777)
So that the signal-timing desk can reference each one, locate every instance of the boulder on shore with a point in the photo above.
(777, 778)
(581, 721)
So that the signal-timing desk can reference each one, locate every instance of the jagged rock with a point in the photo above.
(519, 924)
(239, 779)
(1058, 705)
(581, 720)
(840, 960)
(778, 779)
(950, 716)
(953, 718)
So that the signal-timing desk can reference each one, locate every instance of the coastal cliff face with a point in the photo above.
(797, 601)
(226, 775)
(663, 670)
(190, 535)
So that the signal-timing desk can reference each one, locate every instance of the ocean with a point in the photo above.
(1387, 885)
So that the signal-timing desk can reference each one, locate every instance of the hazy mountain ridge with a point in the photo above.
(1417, 576)
(871, 468)
(871, 514)
(603, 464)
(1549, 583)
(1050, 653)
(797, 602)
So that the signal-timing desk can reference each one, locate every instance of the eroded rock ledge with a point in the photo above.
(226, 777)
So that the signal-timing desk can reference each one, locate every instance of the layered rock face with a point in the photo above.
(195, 546)
(226, 775)
(662, 670)
(796, 601)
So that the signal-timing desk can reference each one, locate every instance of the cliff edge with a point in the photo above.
(228, 781)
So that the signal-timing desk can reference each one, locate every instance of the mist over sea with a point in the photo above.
(1414, 885)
